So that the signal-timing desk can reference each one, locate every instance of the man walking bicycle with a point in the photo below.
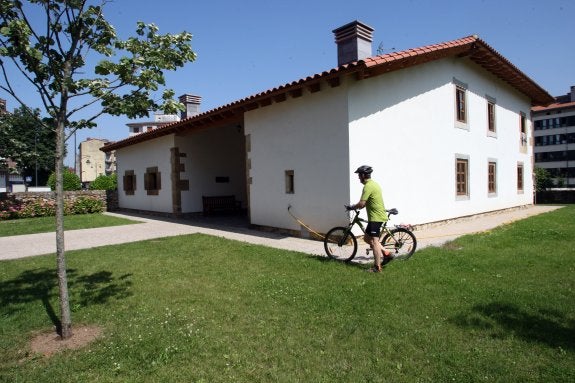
(372, 200)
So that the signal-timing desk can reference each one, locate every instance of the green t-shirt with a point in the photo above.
(373, 201)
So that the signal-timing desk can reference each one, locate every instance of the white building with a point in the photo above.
(192, 104)
(446, 127)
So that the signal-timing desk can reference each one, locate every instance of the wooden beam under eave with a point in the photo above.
(252, 106)
(280, 97)
(298, 92)
(313, 88)
(266, 101)
(362, 74)
(333, 82)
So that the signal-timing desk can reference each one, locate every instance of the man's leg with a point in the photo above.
(377, 251)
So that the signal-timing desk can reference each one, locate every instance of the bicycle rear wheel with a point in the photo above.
(340, 244)
(401, 242)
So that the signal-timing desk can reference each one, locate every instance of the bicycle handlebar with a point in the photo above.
(389, 212)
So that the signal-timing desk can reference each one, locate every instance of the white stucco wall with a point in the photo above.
(308, 135)
(211, 153)
(137, 158)
(403, 124)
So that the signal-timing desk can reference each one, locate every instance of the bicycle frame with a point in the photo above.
(359, 222)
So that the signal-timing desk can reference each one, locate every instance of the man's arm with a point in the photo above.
(358, 206)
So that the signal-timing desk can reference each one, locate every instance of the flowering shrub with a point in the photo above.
(87, 205)
(12, 208)
(9, 209)
(38, 208)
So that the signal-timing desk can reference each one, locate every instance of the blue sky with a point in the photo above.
(248, 46)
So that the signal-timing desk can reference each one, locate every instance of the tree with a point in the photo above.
(104, 182)
(51, 50)
(28, 143)
(70, 181)
(543, 179)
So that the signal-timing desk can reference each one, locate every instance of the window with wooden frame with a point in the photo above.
(461, 104)
(491, 116)
(492, 177)
(152, 181)
(129, 182)
(523, 128)
(289, 182)
(520, 184)
(462, 177)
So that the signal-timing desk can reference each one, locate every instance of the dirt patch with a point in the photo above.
(50, 343)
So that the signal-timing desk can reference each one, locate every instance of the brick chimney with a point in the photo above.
(192, 105)
(353, 42)
(573, 93)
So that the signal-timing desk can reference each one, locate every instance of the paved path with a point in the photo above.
(149, 228)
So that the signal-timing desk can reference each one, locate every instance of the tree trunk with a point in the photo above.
(65, 329)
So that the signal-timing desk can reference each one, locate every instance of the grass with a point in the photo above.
(48, 224)
(494, 307)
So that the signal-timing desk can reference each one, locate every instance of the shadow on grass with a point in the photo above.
(42, 285)
(501, 320)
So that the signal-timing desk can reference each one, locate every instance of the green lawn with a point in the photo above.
(496, 307)
(48, 224)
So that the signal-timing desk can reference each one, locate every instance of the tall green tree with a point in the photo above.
(51, 43)
(28, 143)
(543, 179)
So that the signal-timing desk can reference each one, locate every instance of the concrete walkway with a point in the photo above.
(149, 228)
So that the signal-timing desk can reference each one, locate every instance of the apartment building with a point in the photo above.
(555, 138)
(93, 162)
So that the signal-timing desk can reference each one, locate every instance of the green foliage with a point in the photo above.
(12, 208)
(55, 62)
(87, 205)
(71, 181)
(104, 182)
(25, 139)
(543, 179)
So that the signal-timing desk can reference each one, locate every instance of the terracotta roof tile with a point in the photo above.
(555, 105)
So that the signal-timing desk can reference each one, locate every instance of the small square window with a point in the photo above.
(152, 181)
(129, 182)
(289, 182)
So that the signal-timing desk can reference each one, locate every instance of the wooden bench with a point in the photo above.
(223, 203)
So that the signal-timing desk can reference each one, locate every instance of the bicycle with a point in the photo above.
(341, 244)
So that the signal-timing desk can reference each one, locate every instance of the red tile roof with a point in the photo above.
(472, 47)
(555, 105)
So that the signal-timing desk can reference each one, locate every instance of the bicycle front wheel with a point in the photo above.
(401, 242)
(340, 244)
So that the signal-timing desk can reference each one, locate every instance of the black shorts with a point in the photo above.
(373, 229)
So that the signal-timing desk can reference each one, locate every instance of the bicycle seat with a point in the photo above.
(392, 211)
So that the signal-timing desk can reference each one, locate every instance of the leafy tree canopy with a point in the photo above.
(28, 143)
(104, 182)
(71, 181)
(124, 81)
(543, 179)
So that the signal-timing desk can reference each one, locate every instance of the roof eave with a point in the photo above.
(473, 47)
